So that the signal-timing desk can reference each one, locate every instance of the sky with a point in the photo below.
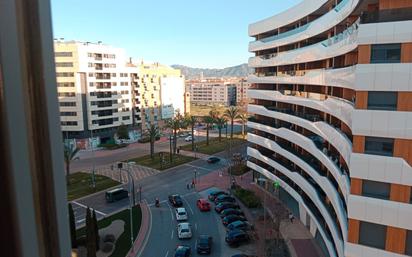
(196, 33)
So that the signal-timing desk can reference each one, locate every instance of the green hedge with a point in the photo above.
(112, 146)
(147, 139)
(248, 198)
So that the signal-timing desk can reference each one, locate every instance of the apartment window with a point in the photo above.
(125, 118)
(91, 84)
(63, 54)
(379, 146)
(115, 119)
(408, 247)
(114, 75)
(67, 94)
(382, 100)
(64, 74)
(65, 84)
(112, 65)
(373, 235)
(92, 93)
(114, 83)
(68, 113)
(91, 74)
(376, 189)
(67, 104)
(90, 65)
(386, 53)
(64, 64)
(68, 123)
(89, 55)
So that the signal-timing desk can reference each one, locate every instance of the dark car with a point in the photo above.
(215, 194)
(243, 255)
(231, 218)
(241, 225)
(204, 244)
(176, 200)
(182, 251)
(236, 237)
(230, 211)
(223, 206)
(224, 198)
(213, 159)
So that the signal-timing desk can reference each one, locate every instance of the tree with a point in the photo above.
(69, 155)
(231, 114)
(96, 230)
(214, 113)
(152, 133)
(220, 122)
(243, 118)
(122, 132)
(72, 227)
(90, 238)
(209, 121)
(175, 124)
(191, 122)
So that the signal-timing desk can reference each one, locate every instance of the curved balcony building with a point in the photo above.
(331, 121)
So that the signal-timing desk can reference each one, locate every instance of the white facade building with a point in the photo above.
(172, 96)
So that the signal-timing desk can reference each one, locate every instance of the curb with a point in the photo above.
(143, 235)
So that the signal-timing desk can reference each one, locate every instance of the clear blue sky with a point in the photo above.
(197, 33)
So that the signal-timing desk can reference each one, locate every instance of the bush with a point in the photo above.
(144, 140)
(112, 146)
(239, 169)
(248, 198)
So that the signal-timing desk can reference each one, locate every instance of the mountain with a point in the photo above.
(234, 71)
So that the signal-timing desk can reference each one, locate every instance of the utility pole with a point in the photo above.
(131, 200)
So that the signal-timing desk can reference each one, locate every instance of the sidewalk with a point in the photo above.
(142, 236)
(193, 154)
(298, 239)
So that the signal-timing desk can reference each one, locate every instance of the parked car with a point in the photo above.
(216, 193)
(182, 251)
(204, 244)
(243, 255)
(236, 237)
(175, 200)
(203, 204)
(184, 230)
(188, 138)
(223, 206)
(230, 211)
(213, 159)
(224, 198)
(241, 225)
(231, 218)
(181, 214)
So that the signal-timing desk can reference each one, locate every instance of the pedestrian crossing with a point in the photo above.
(137, 172)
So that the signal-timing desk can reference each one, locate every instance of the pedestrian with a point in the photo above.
(193, 183)
(291, 217)
(187, 186)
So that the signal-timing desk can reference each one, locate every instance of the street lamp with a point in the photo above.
(264, 212)
(93, 161)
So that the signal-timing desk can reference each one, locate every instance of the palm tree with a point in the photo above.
(243, 118)
(175, 124)
(214, 113)
(152, 133)
(231, 114)
(69, 155)
(191, 122)
(209, 121)
(220, 122)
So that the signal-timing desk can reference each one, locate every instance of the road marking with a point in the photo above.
(80, 221)
(197, 167)
(84, 206)
(167, 253)
(190, 207)
(171, 237)
(196, 226)
(171, 211)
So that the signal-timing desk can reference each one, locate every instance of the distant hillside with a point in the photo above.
(235, 71)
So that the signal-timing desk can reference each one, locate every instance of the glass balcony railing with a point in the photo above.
(389, 15)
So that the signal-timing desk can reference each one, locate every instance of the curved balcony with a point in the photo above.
(308, 145)
(308, 189)
(299, 199)
(321, 128)
(320, 25)
(291, 15)
(338, 45)
(337, 107)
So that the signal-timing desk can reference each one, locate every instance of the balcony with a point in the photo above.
(389, 15)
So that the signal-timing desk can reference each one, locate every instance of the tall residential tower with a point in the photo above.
(332, 117)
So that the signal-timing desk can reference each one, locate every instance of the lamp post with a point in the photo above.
(93, 161)
(264, 214)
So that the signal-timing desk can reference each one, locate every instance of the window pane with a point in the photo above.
(379, 146)
(408, 248)
(376, 189)
(373, 235)
(386, 53)
(382, 100)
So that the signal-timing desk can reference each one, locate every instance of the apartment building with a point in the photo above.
(214, 91)
(163, 93)
(97, 90)
(242, 86)
(332, 116)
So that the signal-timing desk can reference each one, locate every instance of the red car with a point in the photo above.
(203, 204)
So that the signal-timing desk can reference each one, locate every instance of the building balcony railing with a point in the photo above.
(389, 15)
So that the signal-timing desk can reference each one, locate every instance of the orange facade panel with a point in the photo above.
(400, 193)
(358, 144)
(395, 240)
(364, 54)
(356, 186)
(406, 52)
(405, 101)
(353, 231)
(403, 149)
(393, 4)
(361, 100)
